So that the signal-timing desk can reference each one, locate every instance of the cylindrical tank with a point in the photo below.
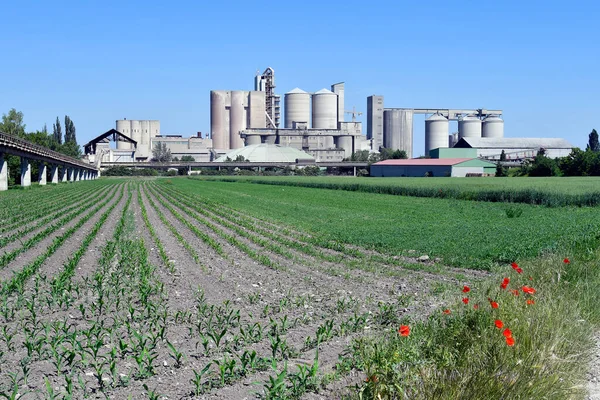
(123, 126)
(252, 139)
(296, 107)
(324, 110)
(218, 129)
(328, 142)
(397, 130)
(345, 142)
(144, 145)
(469, 126)
(436, 132)
(236, 119)
(136, 134)
(493, 127)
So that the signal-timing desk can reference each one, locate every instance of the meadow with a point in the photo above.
(184, 288)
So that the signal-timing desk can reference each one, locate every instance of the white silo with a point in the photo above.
(469, 126)
(136, 135)
(436, 132)
(237, 122)
(324, 110)
(296, 107)
(144, 145)
(123, 126)
(218, 130)
(493, 127)
(452, 139)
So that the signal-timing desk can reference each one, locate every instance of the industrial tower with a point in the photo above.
(265, 82)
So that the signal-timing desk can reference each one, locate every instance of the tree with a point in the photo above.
(542, 166)
(500, 170)
(161, 153)
(593, 143)
(69, 130)
(503, 156)
(57, 132)
(387, 154)
(12, 123)
(187, 159)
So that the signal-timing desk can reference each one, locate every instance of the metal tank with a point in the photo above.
(469, 126)
(436, 132)
(296, 107)
(123, 126)
(218, 130)
(324, 110)
(492, 127)
(237, 122)
(397, 130)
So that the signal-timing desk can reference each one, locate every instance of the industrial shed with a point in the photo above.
(515, 148)
(419, 167)
(267, 153)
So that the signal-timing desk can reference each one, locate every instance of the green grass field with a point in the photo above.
(577, 191)
(464, 233)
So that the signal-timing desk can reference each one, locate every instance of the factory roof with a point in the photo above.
(424, 161)
(267, 153)
(514, 143)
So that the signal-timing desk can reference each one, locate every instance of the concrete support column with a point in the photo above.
(25, 172)
(71, 174)
(65, 174)
(77, 175)
(42, 174)
(3, 173)
(54, 174)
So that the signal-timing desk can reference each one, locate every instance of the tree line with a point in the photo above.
(13, 124)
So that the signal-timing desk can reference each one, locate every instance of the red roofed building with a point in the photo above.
(420, 167)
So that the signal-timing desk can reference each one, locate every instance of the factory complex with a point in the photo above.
(247, 125)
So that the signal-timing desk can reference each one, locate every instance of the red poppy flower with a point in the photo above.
(476, 306)
(504, 283)
(499, 324)
(404, 330)
(494, 304)
(514, 265)
(466, 289)
(510, 341)
(446, 311)
(507, 333)
(519, 270)
(530, 302)
(528, 290)
(566, 261)
(465, 300)
(515, 292)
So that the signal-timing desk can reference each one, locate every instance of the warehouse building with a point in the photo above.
(433, 167)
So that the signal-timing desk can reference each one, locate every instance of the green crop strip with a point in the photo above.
(261, 258)
(6, 258)
(19, 278)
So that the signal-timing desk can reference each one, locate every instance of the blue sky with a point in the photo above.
(99, 61)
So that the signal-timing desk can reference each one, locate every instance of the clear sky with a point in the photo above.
(98, 61)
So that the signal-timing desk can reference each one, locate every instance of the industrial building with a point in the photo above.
(515, 148)
(433, 167)
(313, 122)
(267, 153)
(195, 146)
(392, 128)
(142, 132)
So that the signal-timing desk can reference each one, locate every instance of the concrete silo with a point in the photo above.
(436, 132)
(397, 130)
(237, 120)
(324, 110)
(144, 145)
(296, 107)
(469, 126)
(124, 126)
(493, 127)
(219, 132)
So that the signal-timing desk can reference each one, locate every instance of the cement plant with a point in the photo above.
(247, 125)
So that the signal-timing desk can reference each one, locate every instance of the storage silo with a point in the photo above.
(436, 132)
(469, 126)
(345, 142)
(492, 127)
(237, 122)
(123, 126)
(452, 139)
(144, 145)
(136, 135)
(324, 110)
(218, 130)
(296, 107)
(397, 130)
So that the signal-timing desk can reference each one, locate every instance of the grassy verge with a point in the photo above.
(464, 355)
(551, 192)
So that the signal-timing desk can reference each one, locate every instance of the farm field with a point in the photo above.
(180, 288)
(552, 191)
